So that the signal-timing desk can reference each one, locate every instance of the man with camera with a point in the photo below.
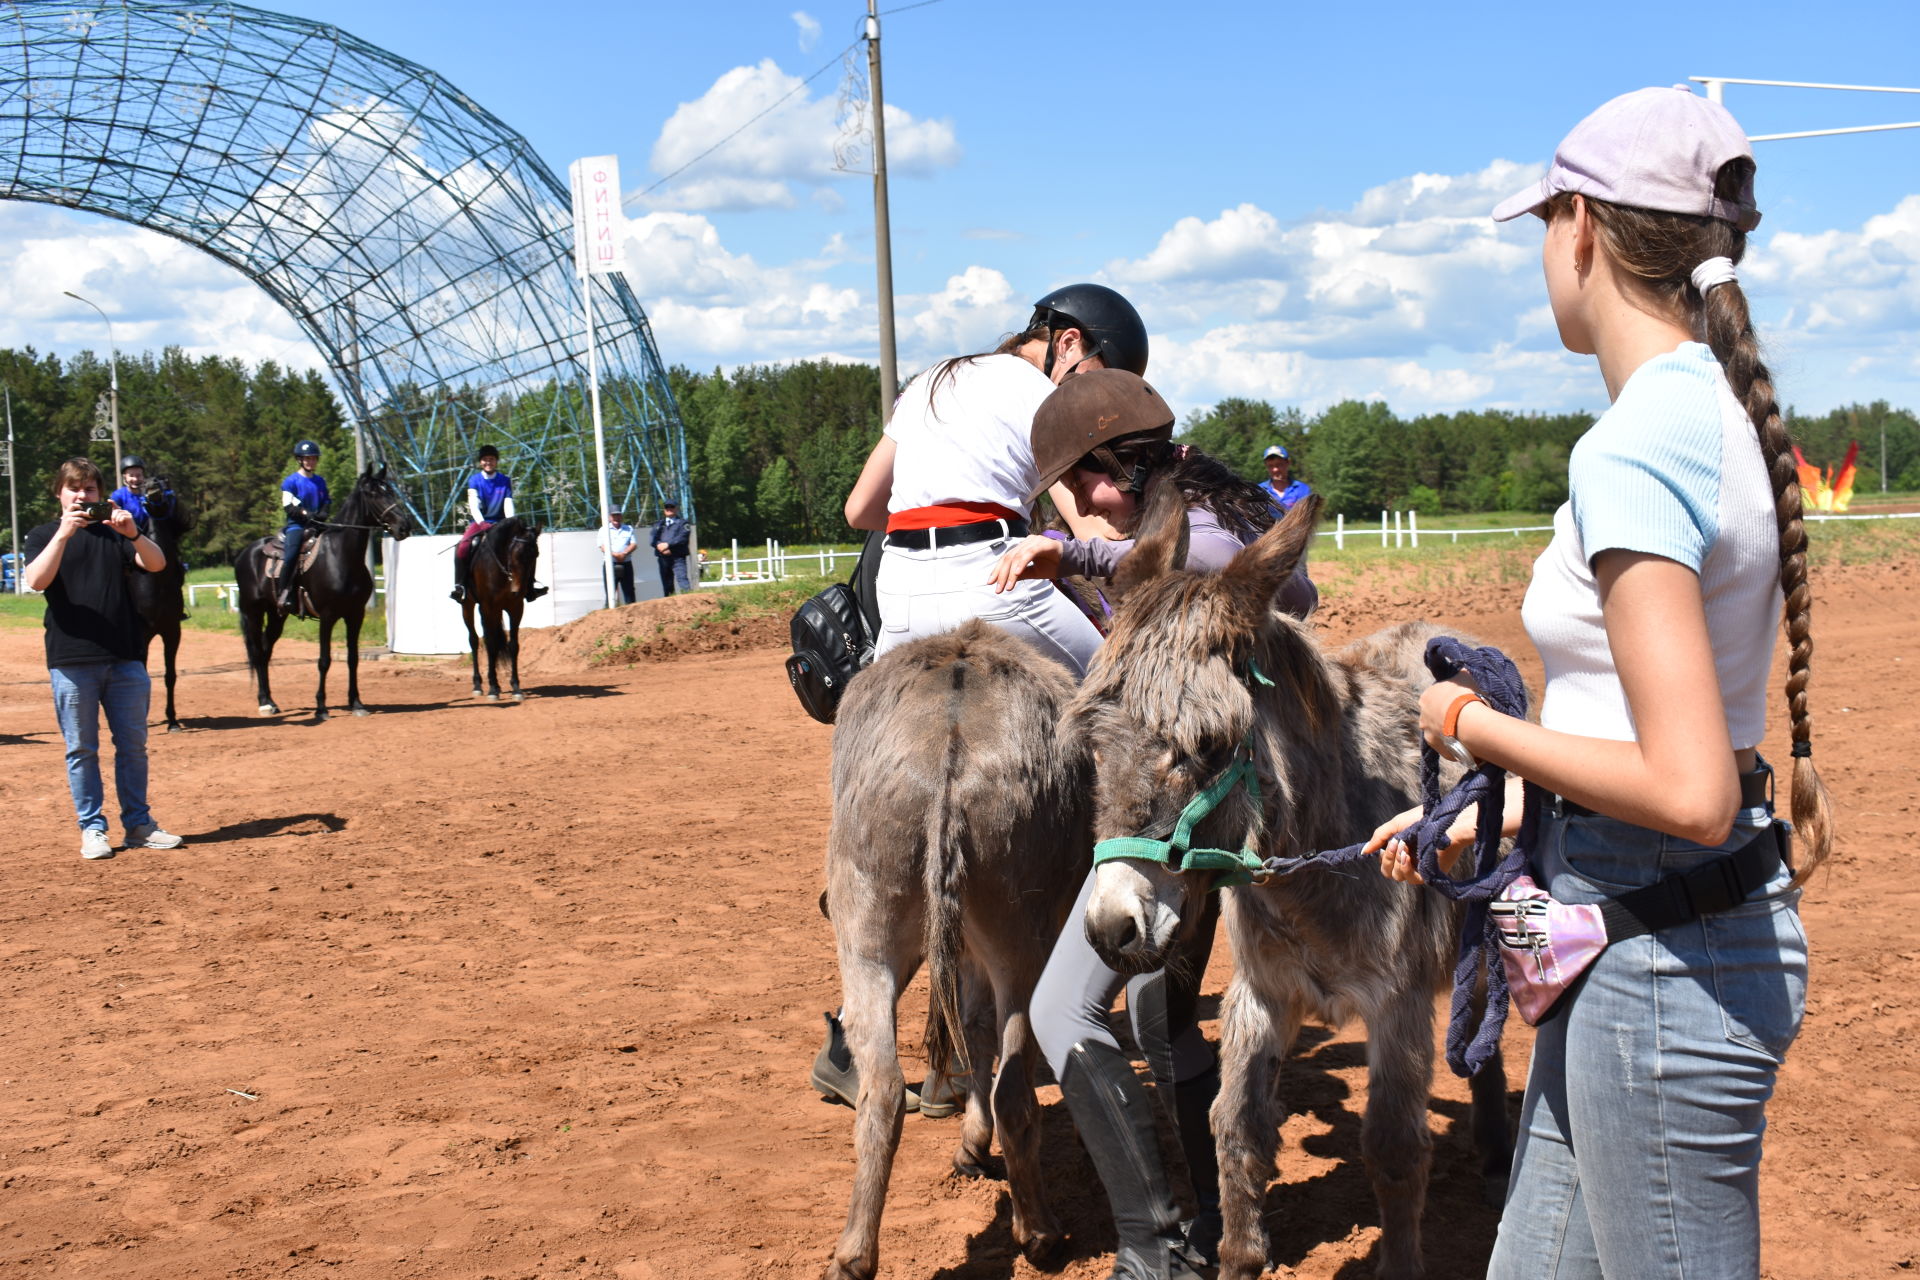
(96, 658)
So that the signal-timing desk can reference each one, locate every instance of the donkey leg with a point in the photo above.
(1492, 1137)
(1394, 1138)
(1256, 1032)
(973, 1158)
(1016, 1113)
(870, 987)
(325, 661)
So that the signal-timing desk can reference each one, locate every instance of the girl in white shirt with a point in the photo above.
(949, 480)
(1654, 611)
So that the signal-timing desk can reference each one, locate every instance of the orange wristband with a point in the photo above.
(1450, 723)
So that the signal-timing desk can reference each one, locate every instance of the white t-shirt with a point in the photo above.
(972, 440)
(1673, 469)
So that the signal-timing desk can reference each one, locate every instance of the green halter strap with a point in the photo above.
(1176, 852)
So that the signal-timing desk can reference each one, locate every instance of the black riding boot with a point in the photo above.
(1112, 1112)
(462, 577)
(1192, 1102)
(289, 568)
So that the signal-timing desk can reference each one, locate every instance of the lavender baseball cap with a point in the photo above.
(1649, 149)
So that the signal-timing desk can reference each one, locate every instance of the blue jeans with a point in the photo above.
(1639, 1148)
(80, 694)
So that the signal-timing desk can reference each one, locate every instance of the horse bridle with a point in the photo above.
(1176, 853)
(526, 535)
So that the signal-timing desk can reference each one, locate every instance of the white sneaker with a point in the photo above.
(94, 844)
(150, 836)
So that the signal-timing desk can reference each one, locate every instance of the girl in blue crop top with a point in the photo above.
(1654, 609)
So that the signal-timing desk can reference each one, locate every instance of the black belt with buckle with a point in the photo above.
(1756, 791)
(955, 535)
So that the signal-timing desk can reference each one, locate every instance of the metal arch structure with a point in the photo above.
(418, 241)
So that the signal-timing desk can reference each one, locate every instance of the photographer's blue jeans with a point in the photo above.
(1639, 1148)
(80, 694)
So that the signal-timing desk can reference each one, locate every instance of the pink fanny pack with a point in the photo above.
(1545, 945)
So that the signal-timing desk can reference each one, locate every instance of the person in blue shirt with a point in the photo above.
(1284, 491)
(670, 542)
(304, 499)
(489, 501)
(131, 495)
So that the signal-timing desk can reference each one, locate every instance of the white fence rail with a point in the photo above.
(229, 593)
(1398, 529)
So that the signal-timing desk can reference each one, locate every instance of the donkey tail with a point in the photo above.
(945, 874)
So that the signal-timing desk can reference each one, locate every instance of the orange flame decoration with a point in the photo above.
(1826, 490)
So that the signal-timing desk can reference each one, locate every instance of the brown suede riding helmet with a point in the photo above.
(1087, 413)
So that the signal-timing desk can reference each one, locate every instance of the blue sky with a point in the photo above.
(1294, 195)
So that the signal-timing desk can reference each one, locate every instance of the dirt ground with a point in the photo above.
(467, 990)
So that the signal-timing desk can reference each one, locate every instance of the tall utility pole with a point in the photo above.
(882, 234)
(113, 390)
(13, 499)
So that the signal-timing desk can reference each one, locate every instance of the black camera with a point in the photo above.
(98, 510)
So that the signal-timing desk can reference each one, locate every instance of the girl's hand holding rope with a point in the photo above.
(1035, 556)
(1396, 859)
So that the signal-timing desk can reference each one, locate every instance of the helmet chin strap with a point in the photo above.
(1090, 348)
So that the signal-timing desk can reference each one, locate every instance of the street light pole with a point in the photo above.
(13, 499)
(882, 235)
(113, 370)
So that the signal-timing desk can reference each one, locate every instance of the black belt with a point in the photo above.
(1756, 791)
(956, 535)
(1687, 895)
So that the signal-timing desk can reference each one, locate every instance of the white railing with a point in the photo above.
(229, 593)
(1398, 529)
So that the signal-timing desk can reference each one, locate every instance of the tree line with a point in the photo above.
(773, 450)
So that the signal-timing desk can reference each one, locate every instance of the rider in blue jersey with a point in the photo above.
(131, 495)
(489, 501)
(304, 498)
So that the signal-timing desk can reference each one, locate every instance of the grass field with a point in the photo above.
(210, 613)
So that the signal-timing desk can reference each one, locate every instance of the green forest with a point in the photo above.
(773, 450)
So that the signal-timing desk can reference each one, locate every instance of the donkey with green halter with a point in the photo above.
(1224, 735)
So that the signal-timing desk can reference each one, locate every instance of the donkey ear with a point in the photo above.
(1161, 545)
(1264, 566)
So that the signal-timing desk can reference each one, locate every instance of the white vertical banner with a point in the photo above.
(599, 226)
(598, 229)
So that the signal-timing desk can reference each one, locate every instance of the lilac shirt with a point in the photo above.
(1210, 545)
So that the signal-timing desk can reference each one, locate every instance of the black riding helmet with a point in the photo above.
(306, 449)
(487, 451)
(1113, 328)
(131, 461)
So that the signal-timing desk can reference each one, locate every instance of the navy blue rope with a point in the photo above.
(1468, 1047)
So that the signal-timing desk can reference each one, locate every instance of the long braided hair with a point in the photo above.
(1661, 250)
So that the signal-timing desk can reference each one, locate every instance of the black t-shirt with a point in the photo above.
(90, 613)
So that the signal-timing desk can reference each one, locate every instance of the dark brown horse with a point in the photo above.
(504, 560)
(337, 582)
(1201, 668)
(161, 597)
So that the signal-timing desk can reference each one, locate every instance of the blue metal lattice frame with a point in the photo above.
(419, 242)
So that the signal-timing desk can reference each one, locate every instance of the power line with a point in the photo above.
(903, 8)
(764, 112)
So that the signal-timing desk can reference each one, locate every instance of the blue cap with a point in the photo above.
(1277, 451)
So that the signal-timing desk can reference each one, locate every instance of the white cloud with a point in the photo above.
(791, 145)
(809, 29)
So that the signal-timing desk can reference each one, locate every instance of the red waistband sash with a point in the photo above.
(948, 514)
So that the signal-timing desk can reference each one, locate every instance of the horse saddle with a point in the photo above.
(275, 548)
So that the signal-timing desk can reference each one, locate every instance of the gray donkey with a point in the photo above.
(1197, 666)
(961, 833)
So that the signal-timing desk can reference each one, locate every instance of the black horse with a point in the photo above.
(504, 558)
(160, 597)
(336, 582)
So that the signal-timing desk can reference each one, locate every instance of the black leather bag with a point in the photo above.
(829, 648)
(834, 635)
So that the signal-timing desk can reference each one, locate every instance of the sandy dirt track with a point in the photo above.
(531, 991)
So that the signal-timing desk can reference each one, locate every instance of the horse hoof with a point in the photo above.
(838, 1270)
(493, 697)
(519, 696)
(362, 711)
(175, 727)
(320, 715)
(1045, 1249)
(268, 709)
